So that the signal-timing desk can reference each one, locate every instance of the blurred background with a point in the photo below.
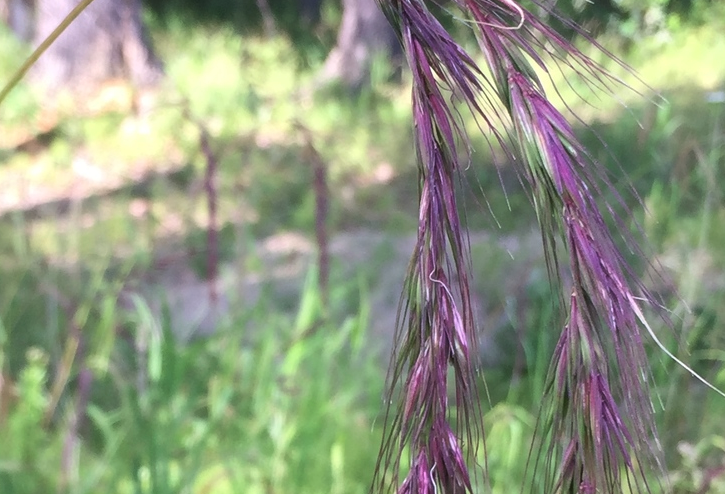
(207, 214)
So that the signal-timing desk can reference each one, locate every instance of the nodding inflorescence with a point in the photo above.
(596, 415)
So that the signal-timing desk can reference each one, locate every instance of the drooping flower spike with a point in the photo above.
(596, 428)
(436, 331)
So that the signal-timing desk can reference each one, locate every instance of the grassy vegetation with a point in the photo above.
(101, 395)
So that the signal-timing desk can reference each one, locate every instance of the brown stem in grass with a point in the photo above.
(270, 27)
(709, 476)
(322, 194)
(212, 201)
(72, 351)
(85, 380)
(75, 352)
(212, 196)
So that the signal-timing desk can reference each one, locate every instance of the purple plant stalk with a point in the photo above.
(587, 441)
(436, 334)
(596, 428)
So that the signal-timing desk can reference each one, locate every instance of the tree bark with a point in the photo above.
(310, 11)
(364, 34)
(107, 41)
(18, 15)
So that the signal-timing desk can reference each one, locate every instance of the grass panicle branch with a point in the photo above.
(596, 428)
(601, 360)
(436, 329)
(601, 349)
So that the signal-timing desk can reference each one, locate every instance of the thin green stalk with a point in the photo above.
(20, 73)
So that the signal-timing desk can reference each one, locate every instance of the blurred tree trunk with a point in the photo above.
(364, 33)
(106, 41)
(18, 15)
(310, 11)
